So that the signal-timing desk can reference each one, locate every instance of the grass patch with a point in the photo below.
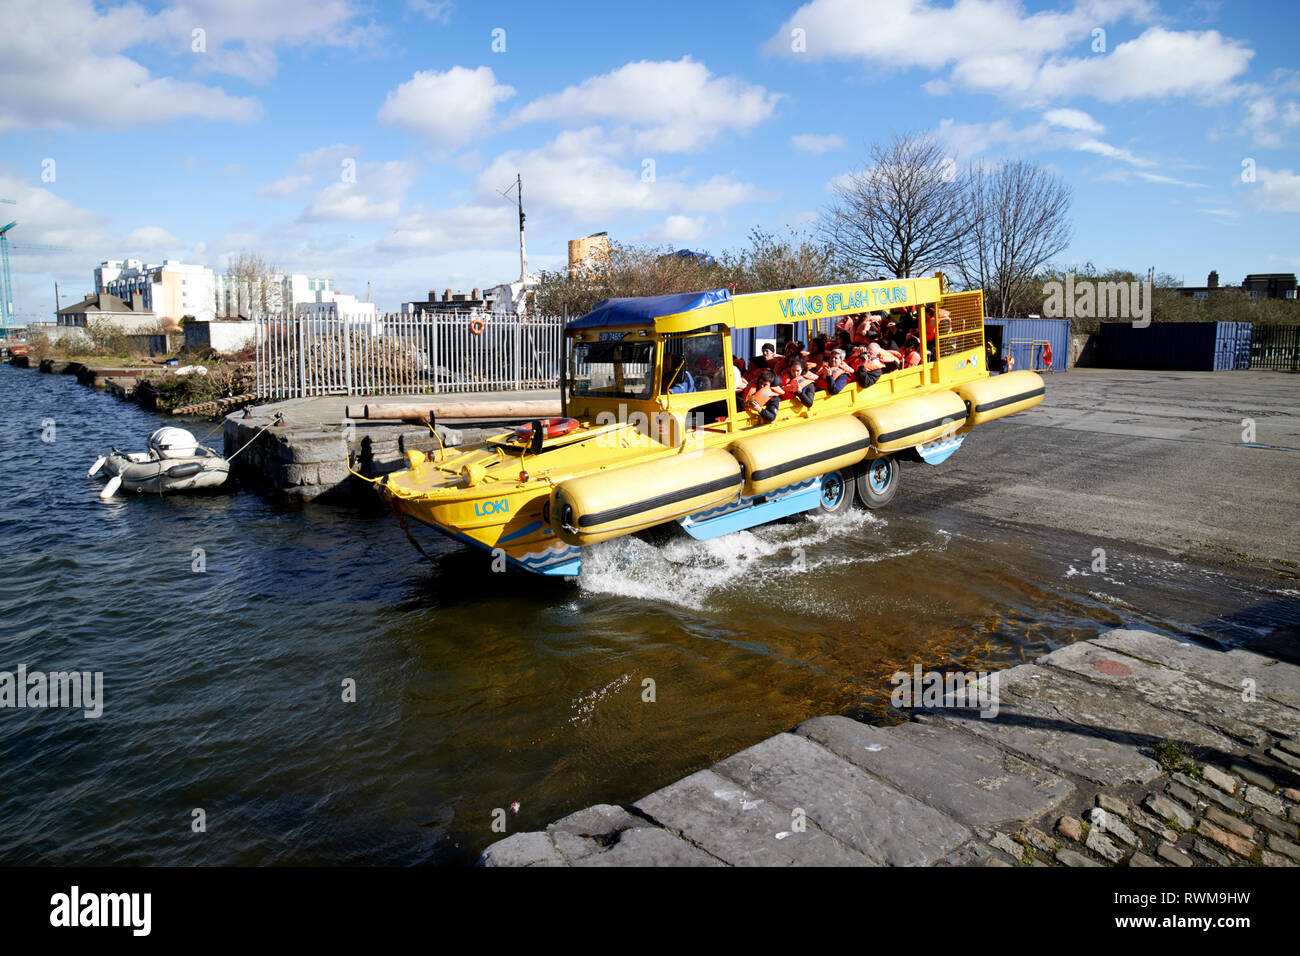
(1172, 759)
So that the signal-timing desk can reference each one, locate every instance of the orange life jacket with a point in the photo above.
(831, 367)
(762, 395)
(877, 357)
(793, 384)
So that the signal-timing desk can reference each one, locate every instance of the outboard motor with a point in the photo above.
(172, 442)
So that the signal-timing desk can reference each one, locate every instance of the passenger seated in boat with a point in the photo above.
(876, 361)
(709, 374)
(791, 349)
(864, 324)
(911, 352)
(834, 372)
(866, 370)
(820, 346)
(764, 398)
(798, 382)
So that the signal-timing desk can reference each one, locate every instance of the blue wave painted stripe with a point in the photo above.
(557, 561)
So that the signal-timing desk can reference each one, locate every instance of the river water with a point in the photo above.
(226, 629)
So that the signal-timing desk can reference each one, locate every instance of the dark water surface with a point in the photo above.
(223, 689)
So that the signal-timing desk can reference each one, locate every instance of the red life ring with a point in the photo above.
(1047, 355)
(553, 428)
(477, 326)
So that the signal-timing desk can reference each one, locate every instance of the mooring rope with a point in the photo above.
(279, 417)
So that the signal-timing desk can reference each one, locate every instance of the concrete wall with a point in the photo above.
(159, 344)
(222, 337)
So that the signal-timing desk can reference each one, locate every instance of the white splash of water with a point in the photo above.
(687, 572)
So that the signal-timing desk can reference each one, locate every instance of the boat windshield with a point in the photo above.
(612, 369)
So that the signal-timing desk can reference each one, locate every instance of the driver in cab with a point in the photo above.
(677, 378)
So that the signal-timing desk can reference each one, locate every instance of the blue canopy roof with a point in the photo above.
(645, 309)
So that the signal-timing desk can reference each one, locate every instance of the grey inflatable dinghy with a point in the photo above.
(175, 462)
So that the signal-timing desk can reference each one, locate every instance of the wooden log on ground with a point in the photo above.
(451, 410)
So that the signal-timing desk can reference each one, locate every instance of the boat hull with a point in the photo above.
(159, 476)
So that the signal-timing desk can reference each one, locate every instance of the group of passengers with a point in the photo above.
(864, 347)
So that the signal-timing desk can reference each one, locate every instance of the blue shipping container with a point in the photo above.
(1040, 345)
(1177, 346)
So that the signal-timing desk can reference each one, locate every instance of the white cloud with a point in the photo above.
(151, 239)
(967, 140)
(241, 39)
(1265, 121)
(674, 106)
(66, 63)
(993, 46)
(676, 229)
(815, 144)
(376, 194)
(63, 64)
(330, 157)
(1089, 145)
(580, 173)
(449, 108)
(1057, 131)
(1169, 180)
(469, 227)
(334, 161)
(284, 187)
(1121, 175)
(439, 11)
(45, 218)
(1274, 190)
(1155, 65)
(1073, 119)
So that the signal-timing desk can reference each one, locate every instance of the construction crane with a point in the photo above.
(6, 283)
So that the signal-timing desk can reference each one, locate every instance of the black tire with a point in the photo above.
(836, 492)
(877, 481)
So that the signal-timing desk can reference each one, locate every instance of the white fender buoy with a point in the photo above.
(111, 488)
(94, 469)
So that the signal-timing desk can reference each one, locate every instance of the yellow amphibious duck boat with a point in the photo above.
(655, 433)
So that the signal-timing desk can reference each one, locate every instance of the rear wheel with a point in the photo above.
(877, 481)
(836, 491)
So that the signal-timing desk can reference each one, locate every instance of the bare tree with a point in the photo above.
(257, 284)
(1017, 219)
(789, 262)
(902, 214)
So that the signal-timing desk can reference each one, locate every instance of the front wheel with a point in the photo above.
(877, 481)
(836, 492)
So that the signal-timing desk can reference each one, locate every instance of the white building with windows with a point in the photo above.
(336, 305)
(171, 290)
(258, 296)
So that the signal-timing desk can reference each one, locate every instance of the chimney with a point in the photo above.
(475, 296)
(446, 295)
(1213, 280)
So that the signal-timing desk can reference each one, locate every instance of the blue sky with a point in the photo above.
(682, 123)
